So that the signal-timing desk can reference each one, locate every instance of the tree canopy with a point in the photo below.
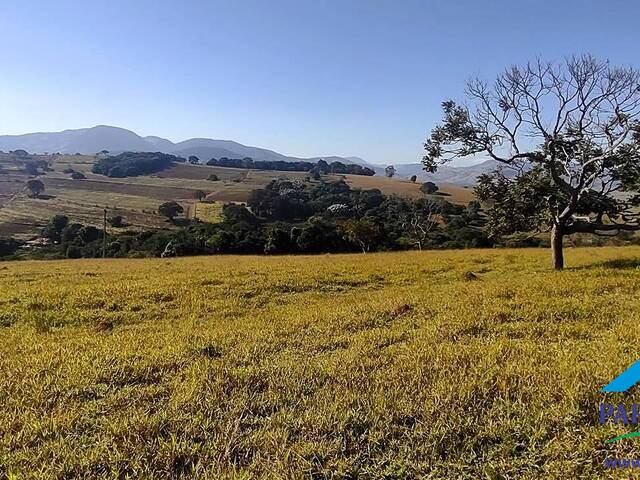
(35, 187)
(170, 209)
(131, 164)
(390, 171)
(302, 166)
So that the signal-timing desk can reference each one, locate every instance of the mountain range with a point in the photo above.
(448, 174)
(116, 140)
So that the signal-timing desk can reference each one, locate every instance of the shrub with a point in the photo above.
(170, 209)
(35, 187)
(116, 221)
(429, 188)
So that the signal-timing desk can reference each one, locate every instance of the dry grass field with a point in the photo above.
(136, 199)
(337, 366)
(395, 186)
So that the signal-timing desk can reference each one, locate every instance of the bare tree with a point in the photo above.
(421, 219)
(570, 136)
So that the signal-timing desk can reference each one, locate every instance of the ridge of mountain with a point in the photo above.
(116, 140)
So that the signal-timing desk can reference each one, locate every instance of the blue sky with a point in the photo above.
(302, 77)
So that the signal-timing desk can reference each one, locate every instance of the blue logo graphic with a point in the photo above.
(625, 380)
(614, 414)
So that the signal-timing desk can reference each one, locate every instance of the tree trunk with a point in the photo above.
(556, 248)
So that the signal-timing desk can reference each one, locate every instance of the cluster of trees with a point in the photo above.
(36, 166)
(8, 247)
(321, 167)
(291, 217)
(131, 164)
(73, 240)
(75, 174)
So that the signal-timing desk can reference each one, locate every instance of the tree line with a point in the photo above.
(285, 217)
(130, 164)
(321, 167)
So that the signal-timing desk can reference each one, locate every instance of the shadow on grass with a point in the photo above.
(618, 263)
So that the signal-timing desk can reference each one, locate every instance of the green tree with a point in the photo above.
(278, 239)
(54, 228)
(567, 135)
(390, 171)
(117, 221)
(170, 209)
(314, 173)
(362, 232)
(35, 187)
(428, 188)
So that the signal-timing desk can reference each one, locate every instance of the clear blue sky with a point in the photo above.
(303, 77)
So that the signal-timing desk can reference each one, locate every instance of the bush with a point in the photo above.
(429, 188)
(8, 246)
(170, 209)
(35, 187)
(116, 221)
(54, 228)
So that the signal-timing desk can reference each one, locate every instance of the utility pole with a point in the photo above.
(104, 234)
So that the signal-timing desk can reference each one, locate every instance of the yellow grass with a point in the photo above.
(405, 188)
(338, 366)
(209, 212)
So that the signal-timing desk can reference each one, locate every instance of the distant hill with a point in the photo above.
(447, 174)
(84, 140)
(116, 140)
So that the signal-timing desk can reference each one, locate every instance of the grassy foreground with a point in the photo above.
(339, 366)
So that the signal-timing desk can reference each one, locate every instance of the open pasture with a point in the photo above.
(390, 365)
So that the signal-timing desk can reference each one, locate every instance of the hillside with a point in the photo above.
(464, 176)
(339, 366)
(136, 199)
(89, 141)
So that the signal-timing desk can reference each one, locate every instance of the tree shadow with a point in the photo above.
(618, 263)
